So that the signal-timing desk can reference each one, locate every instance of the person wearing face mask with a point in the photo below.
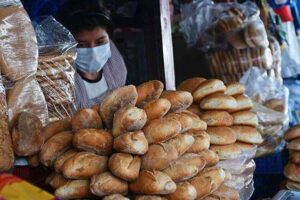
(99, 65)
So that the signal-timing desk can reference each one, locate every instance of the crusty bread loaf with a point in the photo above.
(180, 100)
(234, 89)
(247, 118)
(232, 151)
(149, 197)
(56, 180)
(294, 144)
(153, 183)
(243, 103)
(224, 192)
(217, 118)
(106, 184)
(221, 135)
(115, 197)
(218, 102)
(186, 167)
(208, 87)
(182, 143)
(275, 104)
(26, 135)
(86, 119)
(191, 84)
(125, 166)
(58, 165)
(160, 130)
(184, 190)
(202, 141)
(7, 157)
(195, 108)
(84, 165)
(75, 189)
(156, 109)
(54, 147)
(247, 134)
(56, 127)
(116, 99)
(148, 92)
(292, 172)
(128, 119)
(292, 133)
(210, 157)
(198, 124)
(295, 157)
(185, 121)
(131, 142)
(159, 156)
(94, 140)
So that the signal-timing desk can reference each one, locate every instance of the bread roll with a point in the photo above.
(94, 140)
(185, 121)
(186, 167)
(180, 100)
(156, 109)
(153, 183)
(7, 157)
(202, 141)
(132, 142)
(292, 172)
(54, 147)
(56, 127)
(291, 185)
(195, 108)
(247, 118)
(247, 134)
(232, 151)
(210, 157)
(217, 118)
(294, 144)
(86, 119)
(243, 103)
(226, 193)
(234, 89)
(207, 182)
(128, 119)
(26, 135)
(75, 189)
(292, 133)
(184, 191)
(208, 87)
(198, 124)
(218, 102)
(159, 156)
(275, 104)
(191, 84)
(125, 166)
(107, 184)
(149, 197)
(221, 135)
(56, 180)
(115, 197)
(160, 130)
(84, 165)
(182, 143)
(62, 159)
(295, 157)
(116, 99)
(148, 92)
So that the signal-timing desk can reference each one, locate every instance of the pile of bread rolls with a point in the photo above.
(292, 169)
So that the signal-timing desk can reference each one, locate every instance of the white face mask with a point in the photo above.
(92, 60)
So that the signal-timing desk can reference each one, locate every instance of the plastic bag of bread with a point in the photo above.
(55, 73)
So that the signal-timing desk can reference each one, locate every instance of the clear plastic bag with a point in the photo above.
(294, 101)
(3, 105)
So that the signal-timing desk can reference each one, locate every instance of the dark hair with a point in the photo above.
(79, 15)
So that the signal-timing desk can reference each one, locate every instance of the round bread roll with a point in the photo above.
(291, 185)
(159, 156)
(58, 165)
(186, 121)
(221, 135)
(160, 130)
(234, 89)
(195, 108)
(56, 180)
(247, 118)
(210, 157)
(184, 190)
(186, 167)
(56, 127)
(94, 140)
(180, 100)
(294, 144)
(218, 102)
(54, 147)
(148, 92)
(208, 87)
(156, 109)
(149, 197)
(191, 84)
(128, 119)
(217, 118)
(26, 135)
(182, 143)
(86, 119)
(243, 103)
(153, 183)
(75, 189)
(275, 104)
(84, 165)
(231, 151)
(198, 124)
(106, 184)
(132, 142)
(202, 141)
(125, 166)
(226, 193)
(292, 172)
(115, 197)
(247, 134)
(292, 133)
(116, 99)
(295, 157)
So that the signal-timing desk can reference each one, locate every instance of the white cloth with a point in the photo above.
(96, 89)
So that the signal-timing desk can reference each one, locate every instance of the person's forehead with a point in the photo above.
(87, 35)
